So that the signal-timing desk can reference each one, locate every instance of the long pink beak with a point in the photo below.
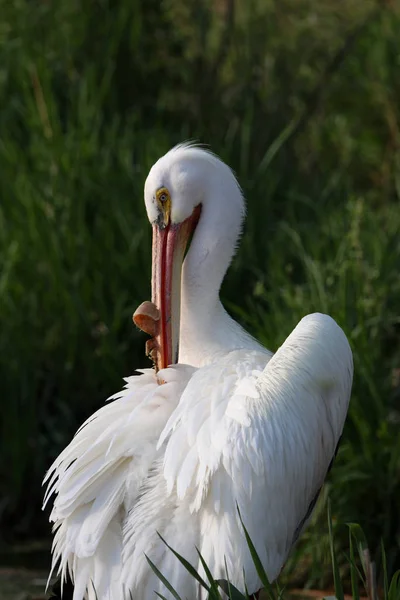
(169, 245)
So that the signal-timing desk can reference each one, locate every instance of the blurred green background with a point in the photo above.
(302, 99)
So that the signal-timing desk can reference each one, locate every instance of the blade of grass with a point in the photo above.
(281, 591)
(357, 570)
(94, 589)
(275, 146)
(163, 579)
(214, 593)
(230, 585)
(190, 568)
(370, 575)
(230, 590)
(256, 560)
(353, 571)
(361, 541)
(394, 589)
(336, 575)
(358, 536)
(385, 575)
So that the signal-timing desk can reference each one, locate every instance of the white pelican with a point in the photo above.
(231, 424)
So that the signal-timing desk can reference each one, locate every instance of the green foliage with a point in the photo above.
(361, 567)
(302, 100)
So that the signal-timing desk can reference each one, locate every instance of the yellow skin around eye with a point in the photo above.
(164, 202)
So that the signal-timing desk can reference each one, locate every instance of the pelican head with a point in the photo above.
(189, 192)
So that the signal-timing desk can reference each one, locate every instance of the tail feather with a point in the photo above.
(101, 512)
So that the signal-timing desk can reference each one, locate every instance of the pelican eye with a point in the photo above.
(162, 195)
(163, 198)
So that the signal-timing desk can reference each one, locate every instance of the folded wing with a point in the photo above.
(261, 433)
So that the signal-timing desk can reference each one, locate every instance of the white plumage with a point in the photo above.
(231, 425)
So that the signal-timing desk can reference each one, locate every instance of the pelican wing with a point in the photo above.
(246, 430)
(98, 477)
(259, 433)
(298, 421)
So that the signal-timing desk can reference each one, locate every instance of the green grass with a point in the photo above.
(358, 561)
(302, 100)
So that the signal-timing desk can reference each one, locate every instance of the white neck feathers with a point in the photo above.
(205, 327)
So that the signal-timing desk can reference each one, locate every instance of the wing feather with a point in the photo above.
(246, 430)
(97, 478)
(261, 433)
